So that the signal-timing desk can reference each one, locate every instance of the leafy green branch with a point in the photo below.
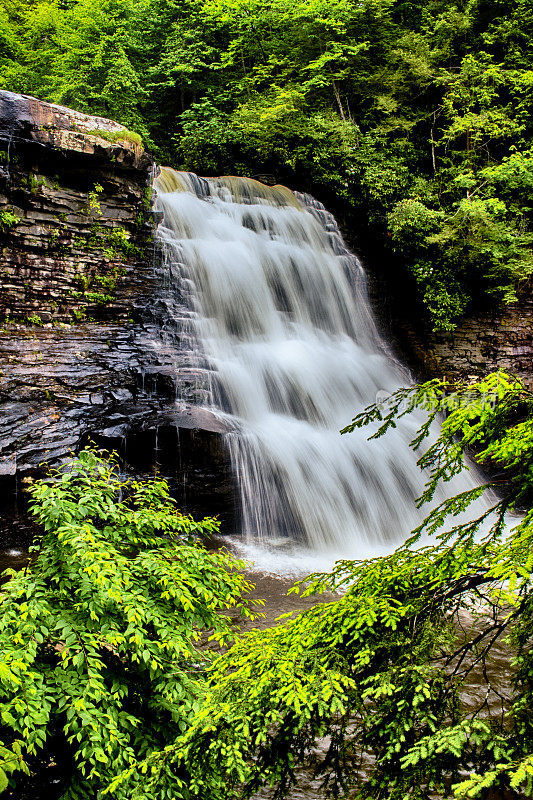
(101, 634)
(380, 673)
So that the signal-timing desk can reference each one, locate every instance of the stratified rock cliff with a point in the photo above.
(491, 340)
(88, 349)
(500, 339)
(75, 198)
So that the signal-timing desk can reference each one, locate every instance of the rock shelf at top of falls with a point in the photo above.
(281, 315)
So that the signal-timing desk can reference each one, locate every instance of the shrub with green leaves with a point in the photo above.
(382, 673)
(103, 635)
(8, 220)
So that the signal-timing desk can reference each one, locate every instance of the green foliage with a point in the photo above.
(103, 634)
(8, 220)
(118, 136)
(382, 674)
(474, 103)
(475, 243)
(103, 637)
(98, 298)
(411, 221)
(34, 319)
(118, 239)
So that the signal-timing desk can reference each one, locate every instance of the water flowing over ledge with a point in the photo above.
(291, 352)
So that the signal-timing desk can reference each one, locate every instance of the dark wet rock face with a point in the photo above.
(117, 387)
(57, 385)
(95, 344)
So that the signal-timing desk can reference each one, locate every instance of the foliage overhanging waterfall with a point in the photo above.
(282, 318)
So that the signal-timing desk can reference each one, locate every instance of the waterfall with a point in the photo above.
(283, 323)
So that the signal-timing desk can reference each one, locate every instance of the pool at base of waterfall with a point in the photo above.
(286, 559)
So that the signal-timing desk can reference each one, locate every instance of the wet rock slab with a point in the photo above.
(119, 386)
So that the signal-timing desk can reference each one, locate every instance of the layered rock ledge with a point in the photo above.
(500, 339)
(92, 348)
(75, 212)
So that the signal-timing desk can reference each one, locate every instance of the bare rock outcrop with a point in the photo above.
(75, 212)
(95, 343)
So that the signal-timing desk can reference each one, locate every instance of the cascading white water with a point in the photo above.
(282, 316)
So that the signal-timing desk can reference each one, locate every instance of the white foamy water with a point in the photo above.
(281, 314)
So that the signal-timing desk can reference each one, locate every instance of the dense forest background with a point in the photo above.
(412, 116)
